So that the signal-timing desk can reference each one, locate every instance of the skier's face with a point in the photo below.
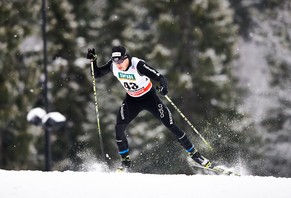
(122, 65)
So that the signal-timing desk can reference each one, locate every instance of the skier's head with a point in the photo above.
(118, 54)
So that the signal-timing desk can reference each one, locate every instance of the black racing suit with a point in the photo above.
(131, 107)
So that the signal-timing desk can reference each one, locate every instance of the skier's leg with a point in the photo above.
(121, 139)
(126, 114)
(162, 112)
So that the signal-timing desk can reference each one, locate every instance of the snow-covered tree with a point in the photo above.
(16, 83)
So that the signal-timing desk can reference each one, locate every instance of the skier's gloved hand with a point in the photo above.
(162, 90)
(91, 54)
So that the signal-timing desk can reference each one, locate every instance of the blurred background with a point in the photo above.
(228, 67)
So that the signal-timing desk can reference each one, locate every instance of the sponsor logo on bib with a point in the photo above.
(126, 76)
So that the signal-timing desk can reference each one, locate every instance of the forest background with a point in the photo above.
(227, 63)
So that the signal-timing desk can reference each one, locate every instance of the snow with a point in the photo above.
(255, 77)
(56, 116)
(36, 184)
(36, 112)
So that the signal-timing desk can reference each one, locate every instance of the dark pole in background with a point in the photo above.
(47, 132)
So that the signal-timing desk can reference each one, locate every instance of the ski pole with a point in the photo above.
(97, 111)
(189, 123)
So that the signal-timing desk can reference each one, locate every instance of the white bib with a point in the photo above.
(135, 84)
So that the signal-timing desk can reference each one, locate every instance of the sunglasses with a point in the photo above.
(119, 60)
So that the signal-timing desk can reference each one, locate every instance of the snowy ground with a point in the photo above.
(37, 184)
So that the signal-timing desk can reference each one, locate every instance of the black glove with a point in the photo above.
(91, 54)
(162, 90)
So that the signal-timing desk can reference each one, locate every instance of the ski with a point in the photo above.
(122, 170)
(216, 169)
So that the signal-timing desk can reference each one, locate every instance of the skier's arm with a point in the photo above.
(144, 69)
(98, 71)
(102, 70)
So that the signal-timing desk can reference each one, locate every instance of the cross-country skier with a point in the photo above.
(136, 77)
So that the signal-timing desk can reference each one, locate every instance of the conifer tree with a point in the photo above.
(16, 84)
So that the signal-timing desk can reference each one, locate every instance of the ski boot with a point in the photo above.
(125, 164)
(199, 159)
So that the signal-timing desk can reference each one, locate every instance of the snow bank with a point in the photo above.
(37, 184)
